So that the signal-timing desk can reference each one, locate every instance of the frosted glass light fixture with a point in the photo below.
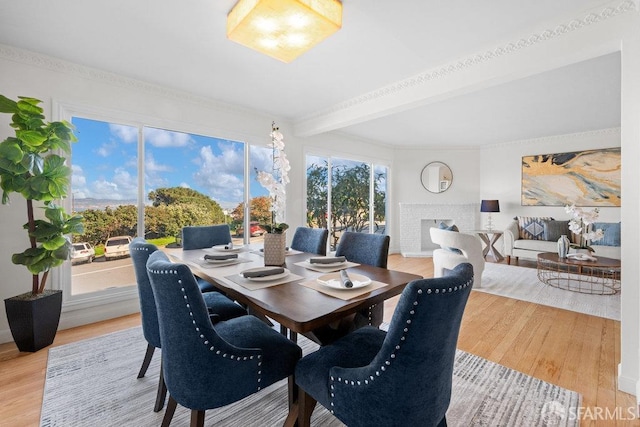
(283, 29)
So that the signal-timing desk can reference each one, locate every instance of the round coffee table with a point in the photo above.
(601, 277)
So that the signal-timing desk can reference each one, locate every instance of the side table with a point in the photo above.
(490, 237)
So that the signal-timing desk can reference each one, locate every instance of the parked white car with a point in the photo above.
(82, 252)
(116, 247)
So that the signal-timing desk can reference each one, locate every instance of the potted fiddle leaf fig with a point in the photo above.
(31, 167)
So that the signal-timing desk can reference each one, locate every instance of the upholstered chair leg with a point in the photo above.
(162, 392)
(168, 413)
(197, 418)
(306, 405)
(509, 259)
(147, 360)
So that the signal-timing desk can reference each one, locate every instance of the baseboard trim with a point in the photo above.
(629, 385)
(88, 314)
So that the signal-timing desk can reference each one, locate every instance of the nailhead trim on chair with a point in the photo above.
(359, 382)
(205, 341)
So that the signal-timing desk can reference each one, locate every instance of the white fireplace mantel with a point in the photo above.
(417, 218)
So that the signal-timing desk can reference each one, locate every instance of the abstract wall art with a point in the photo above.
(583, 178)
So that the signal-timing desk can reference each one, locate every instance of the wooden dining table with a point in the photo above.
(296, 307)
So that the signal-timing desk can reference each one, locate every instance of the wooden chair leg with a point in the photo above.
(197, 418)
(168, 413)
(508, 259)
(306, 405)
(292, 416)
(147, 360)
(162, 392)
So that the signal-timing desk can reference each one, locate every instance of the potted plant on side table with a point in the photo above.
(30, 166)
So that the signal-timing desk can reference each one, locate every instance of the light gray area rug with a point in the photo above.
(523, 284)
(93, 383)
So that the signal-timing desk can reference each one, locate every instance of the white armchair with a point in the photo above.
(444, 258)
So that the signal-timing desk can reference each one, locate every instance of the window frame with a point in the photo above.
(61, 277)
(371, 161)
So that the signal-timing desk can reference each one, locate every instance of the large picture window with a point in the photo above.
(346, 195)
(133, 181)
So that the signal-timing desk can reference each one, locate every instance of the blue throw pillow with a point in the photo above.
(611, 233)
(443, 226)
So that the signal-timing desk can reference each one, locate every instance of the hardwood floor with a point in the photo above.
(572, 350)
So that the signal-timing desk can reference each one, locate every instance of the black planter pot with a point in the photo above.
(34, 321)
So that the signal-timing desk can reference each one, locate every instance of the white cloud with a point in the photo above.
(122, 186)
(127, 134)
(106, 149)
(153, 172)
(78, 182)
(261, 158)
(221, 175)
(165, 138)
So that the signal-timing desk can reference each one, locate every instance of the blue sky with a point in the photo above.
(105, 163)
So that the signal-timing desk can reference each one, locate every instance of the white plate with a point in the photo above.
(223, 248)
(332, 280)
(330, 265)
(266, 278)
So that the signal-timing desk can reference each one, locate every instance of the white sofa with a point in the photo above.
(445, 258)
(514, 247)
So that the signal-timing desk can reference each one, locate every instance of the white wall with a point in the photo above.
(501, 172)
(407, 186)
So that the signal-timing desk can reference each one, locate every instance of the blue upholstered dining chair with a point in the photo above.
(312, 240)
(398, 378)
(218, 305)
(363, 248)
(208, 366)
(369, 249)
(205, 236)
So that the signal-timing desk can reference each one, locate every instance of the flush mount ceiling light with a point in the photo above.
(283, 29)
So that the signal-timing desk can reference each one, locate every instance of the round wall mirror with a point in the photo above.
(436, 177)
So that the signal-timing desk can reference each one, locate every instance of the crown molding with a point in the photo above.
(76, 70)
(558, 139)
(478, 58)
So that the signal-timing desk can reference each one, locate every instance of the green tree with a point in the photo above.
(350, 197)
(187, 196)
(317, 184)
(260, 208)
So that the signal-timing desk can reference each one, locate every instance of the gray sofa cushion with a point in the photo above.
(554, 229)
